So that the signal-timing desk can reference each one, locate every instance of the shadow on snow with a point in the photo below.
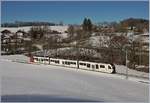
(42, 98)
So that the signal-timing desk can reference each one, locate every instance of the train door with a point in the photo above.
(102, 68)
(88, 66)
(63, 63)
(96, 67)
(93, 67)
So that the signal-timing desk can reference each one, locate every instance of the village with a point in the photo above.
(62, 42)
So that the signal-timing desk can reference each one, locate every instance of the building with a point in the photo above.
(13, 42)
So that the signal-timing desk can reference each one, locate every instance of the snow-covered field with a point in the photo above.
(33, 83)
(20, 58)
(61, 29)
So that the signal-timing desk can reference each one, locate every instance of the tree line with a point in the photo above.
(21, 24)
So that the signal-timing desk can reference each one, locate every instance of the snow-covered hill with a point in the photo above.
(61, 29)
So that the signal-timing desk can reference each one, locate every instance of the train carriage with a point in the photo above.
(69, 63)
(42, 60)
(55, 61)
(63, 62)
(101, 67)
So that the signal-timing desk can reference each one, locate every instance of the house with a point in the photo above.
(13, 42)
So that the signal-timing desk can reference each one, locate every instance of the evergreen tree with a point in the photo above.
(84, 25)
(87, 25)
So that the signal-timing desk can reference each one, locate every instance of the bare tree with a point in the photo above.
(119, 43)
(71, 32)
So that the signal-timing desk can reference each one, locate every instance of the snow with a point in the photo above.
(121, 69)
(29, 82)
(63, 35)
(142, 38)
(61, 29)
(96, 40)
(19, 58)
(15, 29)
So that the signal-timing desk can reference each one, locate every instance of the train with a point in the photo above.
(86, 65)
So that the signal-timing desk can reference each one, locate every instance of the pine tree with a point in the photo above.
(87, 25)
(84, 25)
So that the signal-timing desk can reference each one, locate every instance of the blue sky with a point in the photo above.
(72, 12)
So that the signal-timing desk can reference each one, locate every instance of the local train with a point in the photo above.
(93, 66)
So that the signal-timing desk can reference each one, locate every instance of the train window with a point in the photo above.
(67, 63)
(102, 66)
(81, 63)
(36, 59)
(72, 63)
(97, 66)
(109, 67)
(88, 65)
(46, 60)
(57, 61)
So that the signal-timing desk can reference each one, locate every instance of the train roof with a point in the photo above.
(74, 59)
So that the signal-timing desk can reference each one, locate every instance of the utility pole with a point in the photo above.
(140, 53)
(77, 55)
(126, 64)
